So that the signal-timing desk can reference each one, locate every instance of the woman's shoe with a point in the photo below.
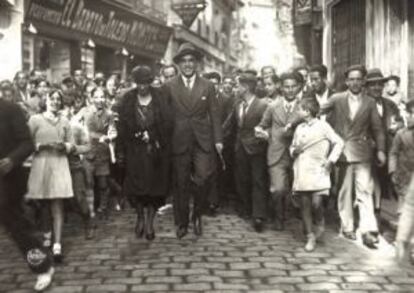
(44, 280)
(57, 253)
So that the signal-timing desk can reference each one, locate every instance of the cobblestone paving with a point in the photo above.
(230, 257)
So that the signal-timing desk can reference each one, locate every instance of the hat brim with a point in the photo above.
(375, 79)
(197, 54)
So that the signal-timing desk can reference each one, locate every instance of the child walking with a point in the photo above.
(315, 149)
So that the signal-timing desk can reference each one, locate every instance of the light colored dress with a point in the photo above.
(50, 174)
(316, 143)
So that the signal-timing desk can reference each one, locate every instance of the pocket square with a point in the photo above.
(203, 98)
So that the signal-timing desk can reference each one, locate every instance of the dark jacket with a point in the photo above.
(245, 137)
(15, 142)
(195, 115)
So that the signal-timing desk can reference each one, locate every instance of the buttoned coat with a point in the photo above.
(401, 159)
(245, 131)
(194, 114)
(274, 120)
(358, 133)
(315, 143)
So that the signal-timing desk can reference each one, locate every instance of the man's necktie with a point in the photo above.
(243, 113)
(188, 84)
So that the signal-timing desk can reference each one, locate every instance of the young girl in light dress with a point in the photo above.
(50, 180)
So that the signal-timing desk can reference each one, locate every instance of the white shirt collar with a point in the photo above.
(289, 103)
(354, 97)
(192, 80)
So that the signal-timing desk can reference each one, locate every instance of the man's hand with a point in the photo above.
(288, 127)
(60, 147)
(219, 147)
(6, 165)
(393, 178)
(261, 133)
(296, 152)
(381, 158)
(103, 139)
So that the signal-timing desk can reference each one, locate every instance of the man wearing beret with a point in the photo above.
(196, 135)
(355, 118)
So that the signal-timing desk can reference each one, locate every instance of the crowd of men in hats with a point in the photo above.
(266, 145)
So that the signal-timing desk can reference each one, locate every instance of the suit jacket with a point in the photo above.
(359, 132)
(391, 121)
(245, 136)
(15, 143)
(274, 120)
(195, 115)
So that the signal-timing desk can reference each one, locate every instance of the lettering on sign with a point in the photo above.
(103, 21)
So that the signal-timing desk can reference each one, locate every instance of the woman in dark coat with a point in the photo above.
(143, 147)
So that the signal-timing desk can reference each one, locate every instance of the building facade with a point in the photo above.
(376, 33)
(95, 35)
(11, 19)
(212, 32)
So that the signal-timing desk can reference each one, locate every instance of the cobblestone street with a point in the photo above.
(230, 257)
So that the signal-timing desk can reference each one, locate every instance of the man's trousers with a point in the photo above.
(356, 179)
(251, 182)
(18, 226)
(192, 170)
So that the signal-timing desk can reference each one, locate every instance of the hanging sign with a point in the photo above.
(188, 10)
(303, 12)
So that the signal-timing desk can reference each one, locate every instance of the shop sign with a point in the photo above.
(99, 19)
(188, 10)
(303, 12)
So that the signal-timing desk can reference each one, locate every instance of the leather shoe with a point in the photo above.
(139, 230)
(279, 225)
(212, 210)
(369, 240)
(349, 235)
(258, 225)
(150, 236)
(198, 226)
(181, 232)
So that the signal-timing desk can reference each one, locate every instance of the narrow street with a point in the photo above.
(230, 257)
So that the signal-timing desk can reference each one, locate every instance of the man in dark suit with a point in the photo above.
(276, 127)
(196, 135)
(391, 123)
(355, 118)
(318, 75)
(250, 152)
(15, 146)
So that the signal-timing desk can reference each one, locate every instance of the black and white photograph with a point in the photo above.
(216, 146)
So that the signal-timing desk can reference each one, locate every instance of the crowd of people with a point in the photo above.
(266, 145)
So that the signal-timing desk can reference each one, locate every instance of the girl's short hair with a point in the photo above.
(311, 105)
